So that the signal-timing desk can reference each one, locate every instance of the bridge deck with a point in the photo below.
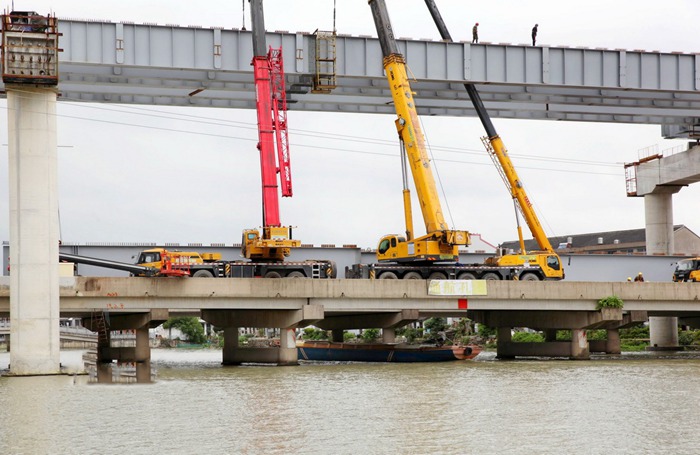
(83, 295)
(169, 65)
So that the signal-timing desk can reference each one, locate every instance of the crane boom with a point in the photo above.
(440, 243)
(271, 106)
(497, 150)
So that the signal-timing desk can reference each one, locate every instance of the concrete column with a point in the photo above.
(230, 346)
(658, 210)
(389, 335)
(288, 348)
(612, 343)
(663, 334)
(504, 339)
(579, 345)
(34, 297)
(337, 335)
(550, 335)
(143, 355)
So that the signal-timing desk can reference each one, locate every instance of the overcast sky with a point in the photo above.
(158, 174)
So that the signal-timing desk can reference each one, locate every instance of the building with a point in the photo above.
(632, 241)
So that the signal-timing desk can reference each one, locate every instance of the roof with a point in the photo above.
(630, 236)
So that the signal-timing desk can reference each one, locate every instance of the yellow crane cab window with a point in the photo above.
(384, 245)
(553, 262)
(149, 257)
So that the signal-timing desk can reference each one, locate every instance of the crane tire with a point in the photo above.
(412, 276)
(388, 276)
(528, 276)
(490, 276)
(296, 274)
(202, 274)
(437, 276)
(466, 276)
(272, 274)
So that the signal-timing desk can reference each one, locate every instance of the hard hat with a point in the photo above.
(629, 278)
(639, 273)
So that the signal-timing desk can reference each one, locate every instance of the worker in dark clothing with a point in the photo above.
(639, 278)
(475, 34)
(534, 34)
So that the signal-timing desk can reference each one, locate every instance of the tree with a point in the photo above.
(189, 326)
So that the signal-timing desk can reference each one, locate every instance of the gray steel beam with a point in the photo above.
(189, 66)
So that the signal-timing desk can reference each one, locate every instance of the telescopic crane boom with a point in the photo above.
(546, 257)
(440, 243)
(276, 240)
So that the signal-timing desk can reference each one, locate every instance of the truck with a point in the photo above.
(268, 247)
(160, 262)
(545, 260)
(434, 256)
(687, 270)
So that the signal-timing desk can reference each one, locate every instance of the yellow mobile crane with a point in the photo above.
(440, 243)
(546, 259)
(411, 257)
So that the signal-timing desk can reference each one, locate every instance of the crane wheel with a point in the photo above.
(437, 276)
(202, 274)
(490, 276)
(296, 274)
(272, 274)
(412, 276)
(529, 277)
(466, 276)
(388, 276)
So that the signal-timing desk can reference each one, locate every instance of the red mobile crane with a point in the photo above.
(275, 242)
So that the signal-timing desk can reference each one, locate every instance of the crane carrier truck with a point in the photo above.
(545, 259)
(434, 256)
(162, 262)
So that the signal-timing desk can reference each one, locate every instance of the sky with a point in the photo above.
(192, 175)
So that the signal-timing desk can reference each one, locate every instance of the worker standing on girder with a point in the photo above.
(475, 34)
(534, 34)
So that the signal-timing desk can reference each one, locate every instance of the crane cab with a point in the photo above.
(547, 264)
(396, 248)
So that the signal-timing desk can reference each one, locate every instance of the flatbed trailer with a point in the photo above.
(448, 271)
(217, 269)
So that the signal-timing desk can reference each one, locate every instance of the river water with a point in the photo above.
(630, 404)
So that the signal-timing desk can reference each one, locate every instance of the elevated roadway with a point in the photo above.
(337, 299)
(139, 303)
(131, 63)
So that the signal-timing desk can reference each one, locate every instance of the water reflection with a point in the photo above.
(638, 403)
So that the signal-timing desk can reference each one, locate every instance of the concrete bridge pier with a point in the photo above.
(578, 322)
(389, 335)
(286, 320)
(612, 343)
(579, 345)
(118, 351)
(337, 335)
(658, 210)
(34, 291)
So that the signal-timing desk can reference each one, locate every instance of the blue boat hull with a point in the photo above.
(389, 353)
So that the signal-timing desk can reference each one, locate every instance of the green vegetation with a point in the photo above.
(370, 335)
(611, 301)
(528, 337)
(313, 333)
(189, 326)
